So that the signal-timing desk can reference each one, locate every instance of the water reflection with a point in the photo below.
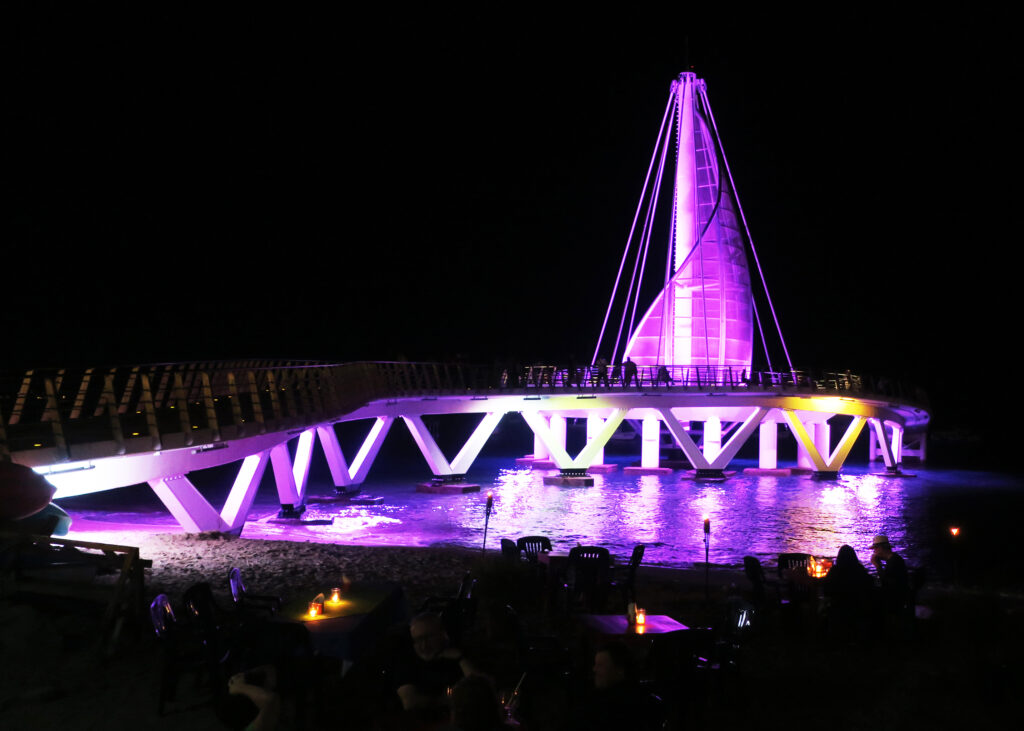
(750, 515)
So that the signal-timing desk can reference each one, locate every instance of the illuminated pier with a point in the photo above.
(685, 368)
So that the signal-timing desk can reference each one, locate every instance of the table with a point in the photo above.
(615, 625)
(348, 629)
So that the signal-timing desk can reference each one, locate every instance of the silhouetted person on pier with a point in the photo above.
(664, 376)
(601, 371)
(629, 374)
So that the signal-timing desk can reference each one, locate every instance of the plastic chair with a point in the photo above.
(589, 582)
(246, 602)
(458, 613)
(790, 561)
(627, 586)
(180, 652)
(510, 551)
(532, 545)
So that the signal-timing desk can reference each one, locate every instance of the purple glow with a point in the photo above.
(703, 316)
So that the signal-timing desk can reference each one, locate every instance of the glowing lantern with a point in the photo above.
(641, 617)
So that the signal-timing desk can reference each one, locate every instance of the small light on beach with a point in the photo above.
(954, 530)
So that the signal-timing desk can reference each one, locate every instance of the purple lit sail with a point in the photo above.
(703, 316)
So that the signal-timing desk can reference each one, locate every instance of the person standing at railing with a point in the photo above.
(629, 374)
(601, 370)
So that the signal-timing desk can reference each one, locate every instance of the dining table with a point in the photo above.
(617, 626)
(348, 628)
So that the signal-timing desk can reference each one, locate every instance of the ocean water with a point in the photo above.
(750, 515)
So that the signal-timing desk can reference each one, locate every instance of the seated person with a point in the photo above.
(848, 588)
(475, 705)
(892, 575)
(847, 578)
(617, 701)
(425, 677)
(251, 703)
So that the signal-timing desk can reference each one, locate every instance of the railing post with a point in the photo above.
(211, 411)
(52, 415)
(181, 405)
(83, 388)
(146, 400)
(256, 403)
(275, 402)
(110, 401)
(236, 406)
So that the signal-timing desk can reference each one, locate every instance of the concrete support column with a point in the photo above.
(897, 442)
(768, 446)
(803, 459)
(558, 430)
(650, 444)
(712, 438)
(823, 440)
(539, 450)
(594, 426)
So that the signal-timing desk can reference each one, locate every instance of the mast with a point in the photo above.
(703, 316)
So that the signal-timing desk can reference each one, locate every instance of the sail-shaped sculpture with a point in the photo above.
(703, 316)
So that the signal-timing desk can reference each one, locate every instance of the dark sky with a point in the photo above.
(192, 186)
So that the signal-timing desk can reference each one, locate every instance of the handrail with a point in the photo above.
(208, 402)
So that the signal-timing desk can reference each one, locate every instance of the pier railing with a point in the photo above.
(140, 406)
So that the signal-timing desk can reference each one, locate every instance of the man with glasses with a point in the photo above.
(434, 667)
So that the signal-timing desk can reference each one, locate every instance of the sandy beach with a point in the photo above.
(962, 666)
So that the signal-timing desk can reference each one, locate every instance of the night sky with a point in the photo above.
(184, 185)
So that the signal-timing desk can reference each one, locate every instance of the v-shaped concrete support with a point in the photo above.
(195, 514)
(834, 461)
(343, 474)
(436, 460)
(586, 457)
(891, 451)
(725, 456)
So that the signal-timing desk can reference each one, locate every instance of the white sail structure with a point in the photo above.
(704, 315)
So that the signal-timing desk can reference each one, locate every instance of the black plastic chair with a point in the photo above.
(532, 545)
(589, 580)
(791, 561)
(627, 585)
(251, 603)
(180, 651)
(458, 613)
(510, 551)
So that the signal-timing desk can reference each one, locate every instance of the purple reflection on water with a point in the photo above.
(759, 516)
